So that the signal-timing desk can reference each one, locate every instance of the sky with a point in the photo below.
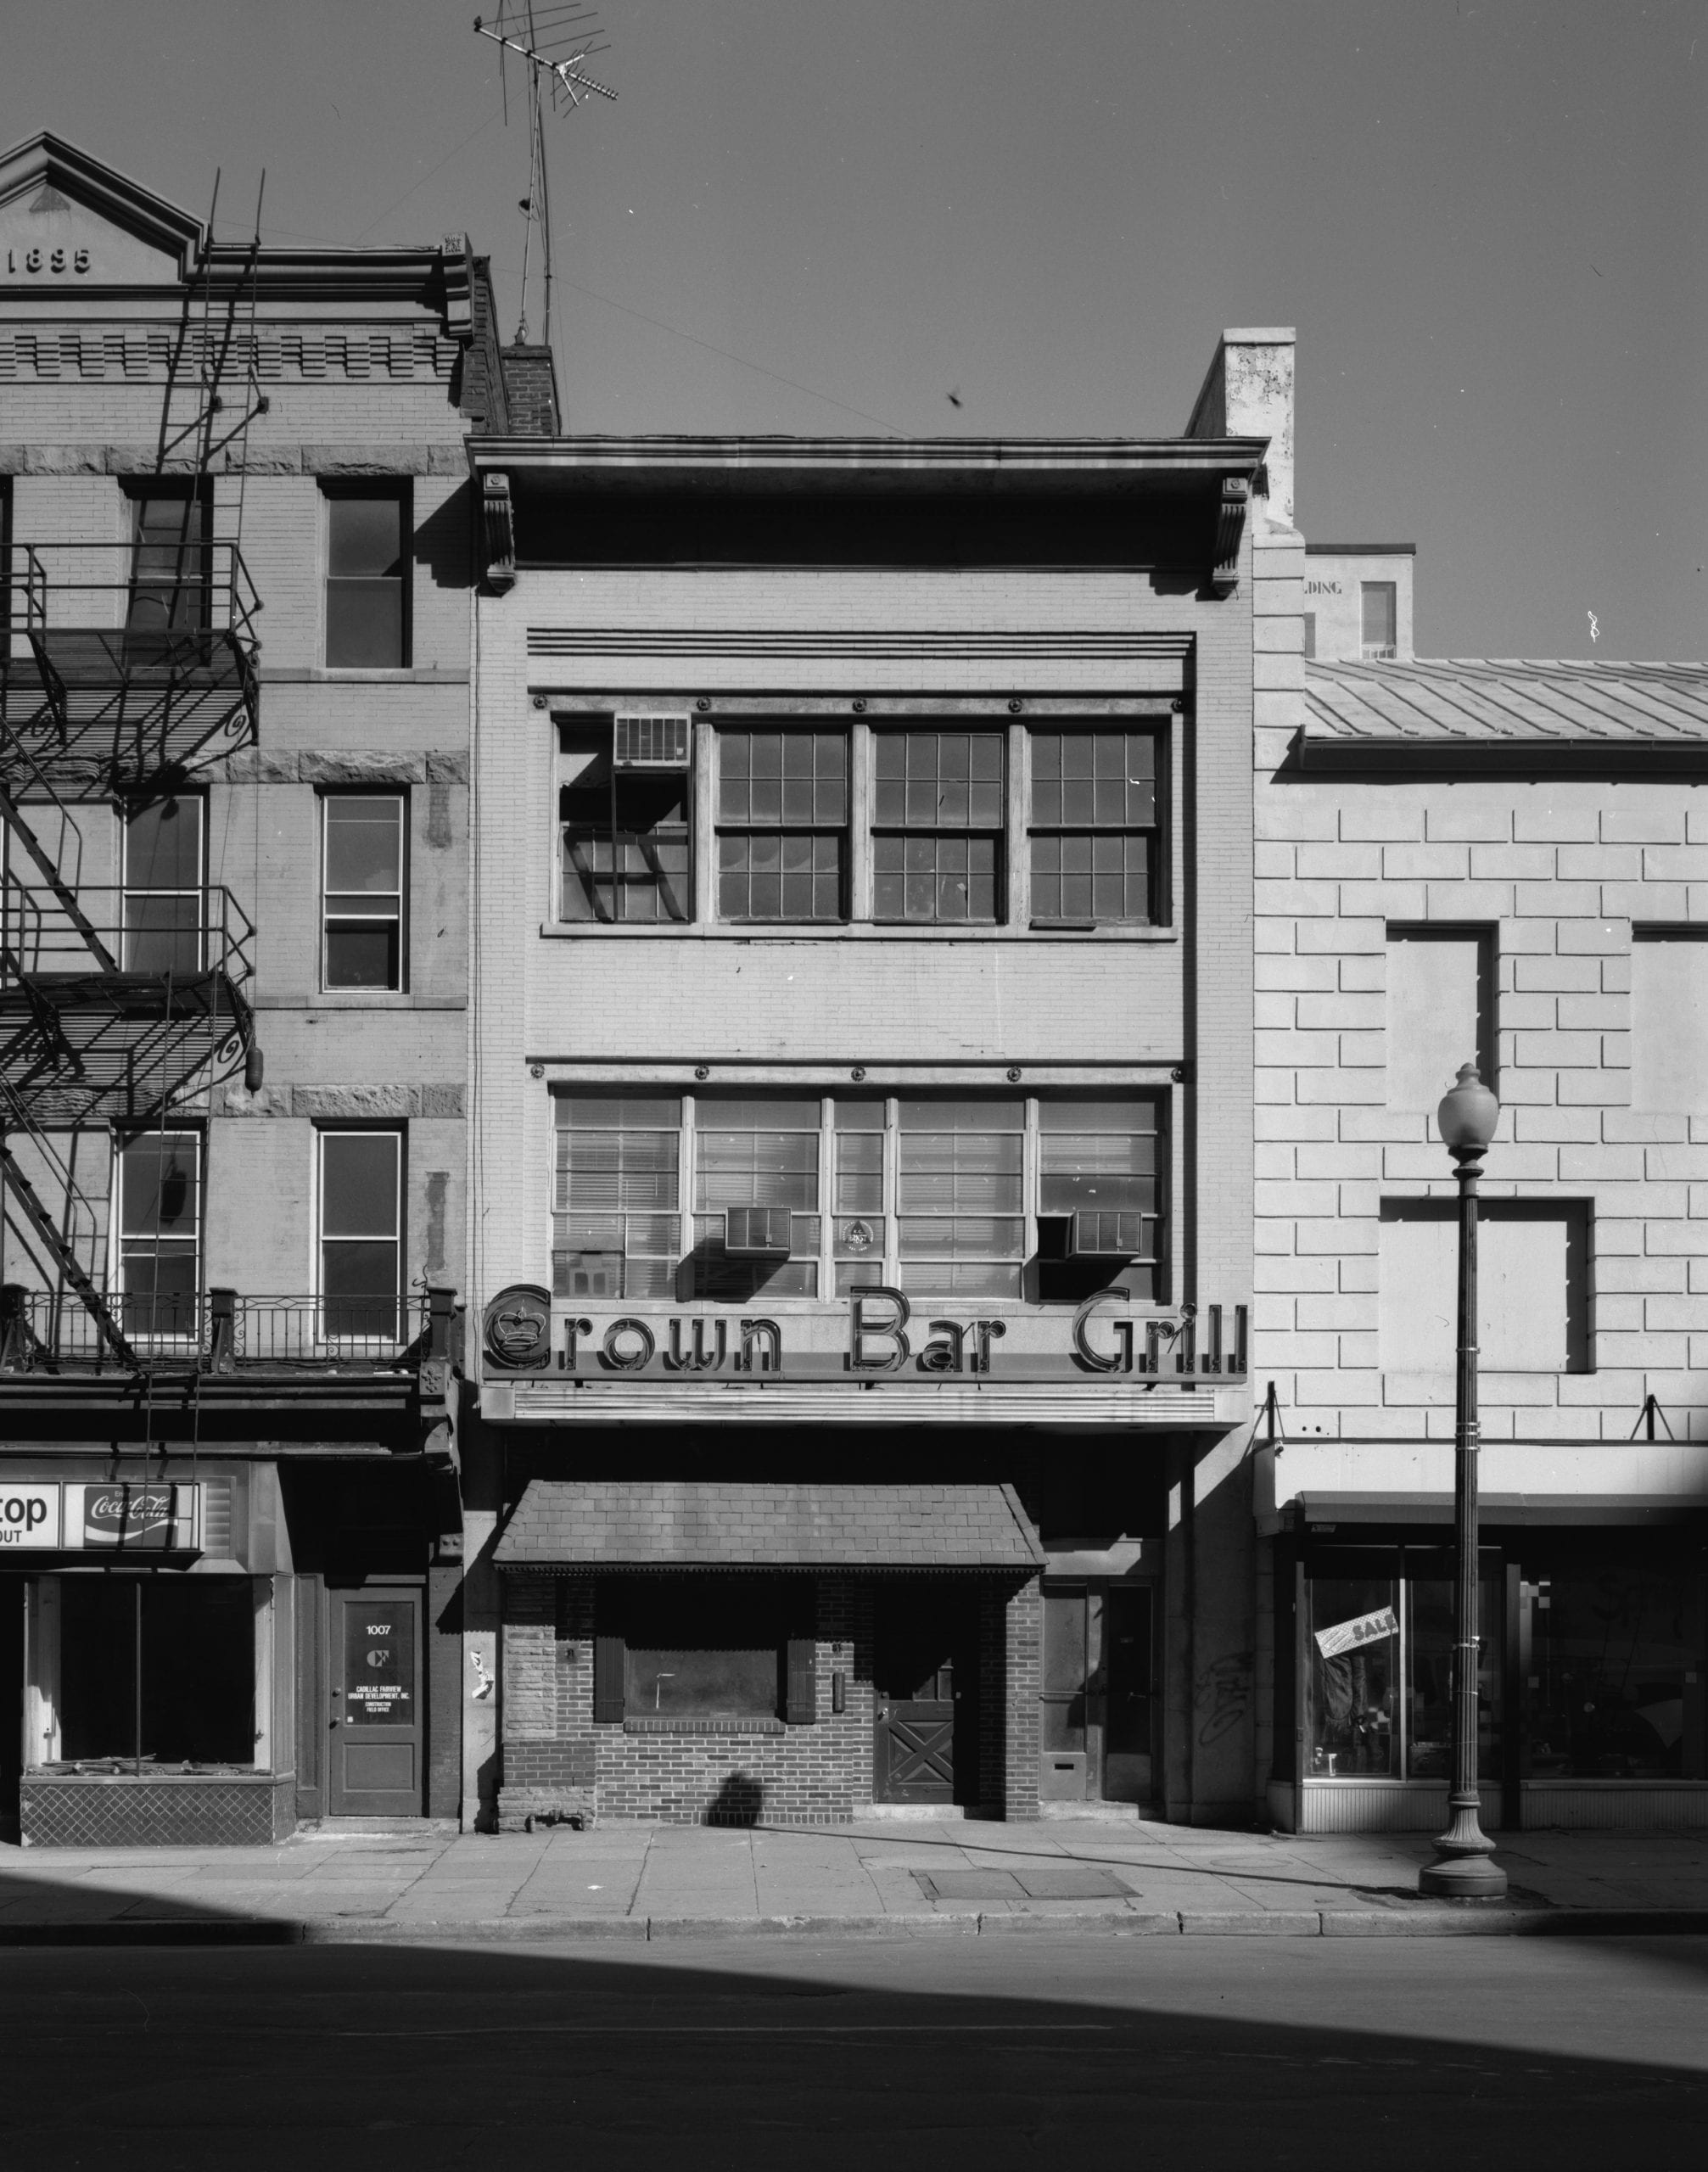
(939, 217)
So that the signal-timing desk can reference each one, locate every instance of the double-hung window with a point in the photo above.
(782, 825)
(939, 814)
(160, 1217)
(616, 1225)
(362, 884)
(368, 578)
(360, 1234)
(163, 911)
(1094, 827)
(171, 572)
(623, 814)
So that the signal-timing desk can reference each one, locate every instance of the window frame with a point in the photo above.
(724, 826)
(1155, 831)
(325, 1332)
(885, 1264)
(884, 732)
(687, 830)
(124, 1143)
(398, 983)
(397, 490)
(133, 804)
(192, 609)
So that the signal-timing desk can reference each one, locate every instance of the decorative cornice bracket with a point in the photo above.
(501, 531)
(1231, 527)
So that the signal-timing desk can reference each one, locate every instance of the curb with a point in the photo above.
(1446, 1919)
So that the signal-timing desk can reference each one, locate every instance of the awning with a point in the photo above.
(601, 1524)
(1314, 1512)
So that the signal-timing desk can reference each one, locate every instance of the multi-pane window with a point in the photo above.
(616, 1227)
(960, 1197)
(1378, 618)
(798, 1196)
(1094, 826)
(752, 1155)
(360, 1234)
(1099, 1197)
(362, 865)
(367, 579)
(623, 824)
(163, 896)
(160, 1216)
(782, 825)
(170, 577)
(937, 819)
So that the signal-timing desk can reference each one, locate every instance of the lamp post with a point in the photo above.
(1464, 1868)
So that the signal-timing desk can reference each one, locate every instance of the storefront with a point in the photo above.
(1592, 1706)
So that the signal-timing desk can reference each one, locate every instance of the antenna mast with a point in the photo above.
(556, 47)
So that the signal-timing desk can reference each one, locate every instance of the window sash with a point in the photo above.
(160, 1232)
(367, 581)
(360, 1269)
(360, 926)
(1094, 825)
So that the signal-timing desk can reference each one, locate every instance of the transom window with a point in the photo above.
(1094, 827)
(796, 1196)
(782, 825)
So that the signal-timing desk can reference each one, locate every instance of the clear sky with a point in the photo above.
(1486, 222)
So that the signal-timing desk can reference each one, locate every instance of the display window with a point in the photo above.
(1612, 1669)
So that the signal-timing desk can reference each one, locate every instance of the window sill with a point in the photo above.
(354, 998)
(691, 1726)
(847, 931)
(337, 674)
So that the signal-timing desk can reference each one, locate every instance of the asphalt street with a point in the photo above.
(753, 2054)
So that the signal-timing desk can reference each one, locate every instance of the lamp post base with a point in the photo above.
(1465, 1868)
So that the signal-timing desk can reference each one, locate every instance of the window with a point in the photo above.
(362, 889)
(360, 1234)
(1310, 635)
(368, 578)
(164, 896)
(1378, 606)
(1440, 1011)
(1094, 827)
(756, 1154)
(170, 578)
(156, 1669)
(616, 1231)
(1532, 1285)
(1669, 1019)
(712, 1648)
(623, 810)
(1100, 1198)
(782, 825)
(1378, 1687)
(160, 1218)
(961, 1200)
(938, 819)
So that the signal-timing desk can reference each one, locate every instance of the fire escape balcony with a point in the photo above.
(222, 1334)
(121, 662)
(115, 1003)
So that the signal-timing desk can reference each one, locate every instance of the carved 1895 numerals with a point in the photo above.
(46, 260)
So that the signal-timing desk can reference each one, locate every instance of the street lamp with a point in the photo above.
(1464, 1868)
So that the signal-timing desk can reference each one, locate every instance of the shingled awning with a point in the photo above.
(594, 1524)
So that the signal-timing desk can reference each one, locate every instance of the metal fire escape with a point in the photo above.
(124, 668)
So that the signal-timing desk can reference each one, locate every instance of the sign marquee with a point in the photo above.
(124, 1517)
(878, 1332)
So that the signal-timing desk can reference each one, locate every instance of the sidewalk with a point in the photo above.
(862, 1880)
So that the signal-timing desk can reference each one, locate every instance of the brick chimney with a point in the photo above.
(530, 391)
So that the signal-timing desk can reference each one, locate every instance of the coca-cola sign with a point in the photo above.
(129, 1514)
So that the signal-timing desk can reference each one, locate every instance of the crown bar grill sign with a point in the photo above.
(1341, 1637)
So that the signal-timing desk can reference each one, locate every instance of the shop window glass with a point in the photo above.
(362, 889)
(1099, 1185)
(1429, 1629)
(755, 1154)
(159, 1232)
(704, 1649)
(960, 1198)
(190, 1696)
(1613, 1687)
(624, 827)
(367, 581)
(616, 1230)
(782, 825)
(938, 826)
(361, 1233)
(1352, 1704)
(1094, 827)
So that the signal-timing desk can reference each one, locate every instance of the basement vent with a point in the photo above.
(651, 742)
(756, 1232)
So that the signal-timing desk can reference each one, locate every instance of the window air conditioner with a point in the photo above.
(651, 742)
(757, 1232)
(1102, 1234)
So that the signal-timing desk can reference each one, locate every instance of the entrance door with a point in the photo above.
(922, 1718)
(377, 1734)
(1067, 1743)
(1127, 1652)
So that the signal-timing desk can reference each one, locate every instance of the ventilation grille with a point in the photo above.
(1103, 1235)
(757, 1232)
(217, 1519)
(651, 742)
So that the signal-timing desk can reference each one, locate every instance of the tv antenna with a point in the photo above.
(555, 43)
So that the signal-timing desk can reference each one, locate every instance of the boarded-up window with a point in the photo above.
(1532, 1286)
(1669, 1018)
(1440, 1010)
